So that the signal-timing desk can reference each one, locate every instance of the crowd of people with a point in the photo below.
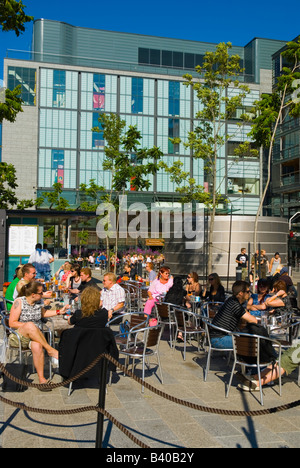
(27, 298)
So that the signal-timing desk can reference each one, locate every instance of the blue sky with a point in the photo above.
(208, 21)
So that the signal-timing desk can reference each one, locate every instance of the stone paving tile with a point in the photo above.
(154, 420)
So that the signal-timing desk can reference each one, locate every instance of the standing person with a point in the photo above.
(41, 260)
(264, 264)
(274, 263)
(242, 260)
(230, 314)
(158, 287)
(25, 317)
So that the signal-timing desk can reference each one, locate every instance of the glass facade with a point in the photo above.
(71, 153)
(26, 78)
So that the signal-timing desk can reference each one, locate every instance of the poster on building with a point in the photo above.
(22, 240)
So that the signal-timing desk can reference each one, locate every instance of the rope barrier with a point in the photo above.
(179, 401)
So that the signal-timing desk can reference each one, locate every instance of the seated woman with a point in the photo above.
(90, 315)
(256, 302)
(74, 280)
(158, 288)
(193, 286)
(25, 317)
(279, 303)
(216, 291)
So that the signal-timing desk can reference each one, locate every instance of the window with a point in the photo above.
(173, 133)
(98, 139)
(58, 158)
(137, 94)
(174, 98)
(247, 186)
(26, 78)
(99, 92)
(59, 88)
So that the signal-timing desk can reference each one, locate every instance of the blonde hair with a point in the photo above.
(90, 301)
(111, 276)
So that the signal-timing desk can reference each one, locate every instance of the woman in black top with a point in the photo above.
(90, 315)
(216, 291)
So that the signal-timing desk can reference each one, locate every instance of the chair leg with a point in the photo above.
(207, 365)
(260, 386)
(230, 380)
(70, 388)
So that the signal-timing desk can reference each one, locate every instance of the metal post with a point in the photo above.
(101, 402)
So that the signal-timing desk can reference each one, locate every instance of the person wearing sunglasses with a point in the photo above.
(25, 318)
(214, 291)
(230, 315)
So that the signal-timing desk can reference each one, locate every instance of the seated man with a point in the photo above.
(86, 280)
(113, 295)
(28, 274)
(230, 314)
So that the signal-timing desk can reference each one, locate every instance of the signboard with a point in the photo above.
(22, 240)
(155, 242)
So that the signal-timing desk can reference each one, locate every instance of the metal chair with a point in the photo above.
(208, 328)
(136, 321)
(142, 351)
(187, 324)
(211, 308)
(165, 314)
(246, 349)
(21, 351)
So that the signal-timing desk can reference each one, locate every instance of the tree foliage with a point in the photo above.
(13, 16)
(8, 186)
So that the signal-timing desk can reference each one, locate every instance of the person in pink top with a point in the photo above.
(158, 288)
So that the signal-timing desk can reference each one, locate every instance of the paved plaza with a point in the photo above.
(156, 421)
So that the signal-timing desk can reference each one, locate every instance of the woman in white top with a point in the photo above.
(274, 263)
(25, 317)
(41, 260)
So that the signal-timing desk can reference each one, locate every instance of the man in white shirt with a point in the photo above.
(112, 296)
(41, 260)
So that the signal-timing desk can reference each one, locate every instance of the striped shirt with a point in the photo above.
(113, 296)
(228, 316)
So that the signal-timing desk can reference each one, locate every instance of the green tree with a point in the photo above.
(273, 109)
(8, 185)
(127, 162)
(218, 77)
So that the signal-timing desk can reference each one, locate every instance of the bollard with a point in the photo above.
(238, 274)
(101, 402)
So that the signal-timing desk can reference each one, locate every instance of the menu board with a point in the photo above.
(22, 240)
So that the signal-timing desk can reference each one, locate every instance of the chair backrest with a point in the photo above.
(162, 310)
(138, 321)
(179, 314)
(212, 308)
(153, 337)
(246, 346)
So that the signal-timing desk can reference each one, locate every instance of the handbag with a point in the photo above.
(16, 370)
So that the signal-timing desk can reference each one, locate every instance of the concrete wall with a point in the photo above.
(272, 236)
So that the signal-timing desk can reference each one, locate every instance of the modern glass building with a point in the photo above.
(72, 74)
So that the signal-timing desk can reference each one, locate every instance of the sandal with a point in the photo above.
(46, 388)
